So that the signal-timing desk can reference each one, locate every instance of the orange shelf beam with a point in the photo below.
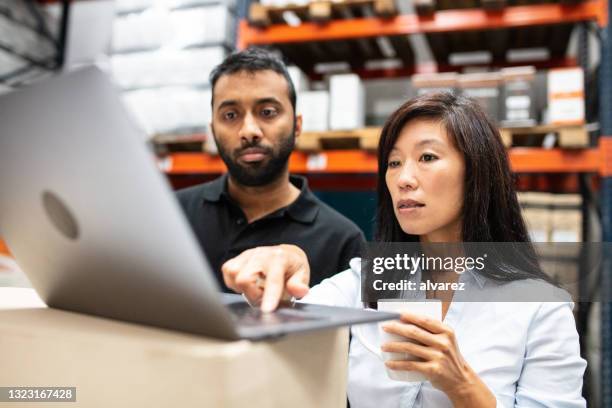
(441, 21)
(522, 160)
(334, 161)
(4, 250)
(534, 160)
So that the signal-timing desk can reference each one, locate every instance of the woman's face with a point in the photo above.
(425, 177)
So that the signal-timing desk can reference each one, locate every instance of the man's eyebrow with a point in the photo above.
(234, 102)
(228, 102)
(269, 99)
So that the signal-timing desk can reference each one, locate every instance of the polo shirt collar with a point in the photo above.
(216, 189)
(304, 209)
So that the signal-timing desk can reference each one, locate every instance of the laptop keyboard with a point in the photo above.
(245, 315)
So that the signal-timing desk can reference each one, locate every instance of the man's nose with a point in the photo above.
(250, 131)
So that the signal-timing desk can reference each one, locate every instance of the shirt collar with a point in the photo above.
(216, 189)
(304, 209)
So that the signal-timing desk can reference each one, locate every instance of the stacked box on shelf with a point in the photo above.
(166, 110)
(383, 97)
(566, 219)
(552, 217)
(566, 228)
(314, 107)
(484, 88)
(566, 96)
(299, 79)
(132, 6)
(429, 83)
(347, 102)
(184, 67)
(537, 214)
(163, 53)
(519, 107)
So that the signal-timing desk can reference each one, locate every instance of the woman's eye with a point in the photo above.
(426, 157)
(393, 164)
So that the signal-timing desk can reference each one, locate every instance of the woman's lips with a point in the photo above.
(409, 206)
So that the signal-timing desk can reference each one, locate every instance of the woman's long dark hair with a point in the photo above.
(491, 212)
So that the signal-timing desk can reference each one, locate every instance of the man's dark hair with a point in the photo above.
(252, 60)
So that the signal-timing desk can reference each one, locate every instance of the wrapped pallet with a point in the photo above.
(537, 214)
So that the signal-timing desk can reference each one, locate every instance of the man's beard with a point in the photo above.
(261, 173)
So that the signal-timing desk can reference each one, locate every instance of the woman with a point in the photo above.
(443, 177)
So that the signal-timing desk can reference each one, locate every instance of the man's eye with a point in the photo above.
(426, 157)
(268, 112)
(229, 115)
(393, 164)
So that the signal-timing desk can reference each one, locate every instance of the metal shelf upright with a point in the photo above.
(605, 143)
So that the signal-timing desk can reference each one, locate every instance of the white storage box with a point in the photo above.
(347, 102)
(314, 107)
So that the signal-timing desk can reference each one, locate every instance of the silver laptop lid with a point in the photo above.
(89, 217)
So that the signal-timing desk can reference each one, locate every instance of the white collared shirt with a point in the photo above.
(527, 353)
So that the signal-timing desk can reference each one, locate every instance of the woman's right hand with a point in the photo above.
(280, 268)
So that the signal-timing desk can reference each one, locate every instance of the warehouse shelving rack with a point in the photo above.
(441, 21)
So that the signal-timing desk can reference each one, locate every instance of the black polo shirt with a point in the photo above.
(329, 239)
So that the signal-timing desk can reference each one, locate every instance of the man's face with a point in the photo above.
(253, 125)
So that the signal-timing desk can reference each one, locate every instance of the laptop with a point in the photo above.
(95, 226)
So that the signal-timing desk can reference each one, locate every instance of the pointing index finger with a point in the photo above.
(274, 287)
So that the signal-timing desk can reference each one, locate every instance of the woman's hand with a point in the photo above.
(442, 363)
(262, 274)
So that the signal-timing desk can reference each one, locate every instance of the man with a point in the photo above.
(254, 124)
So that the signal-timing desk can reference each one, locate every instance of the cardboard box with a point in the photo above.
(519, 96)
(314, 107)
(189, 67)
(299, 79)
(347, 102)
(537, 214)
(212, 24)
(566, 96)
(484, 88)
(117, 364)
(384, 96)
(139, 31)
(566, 221)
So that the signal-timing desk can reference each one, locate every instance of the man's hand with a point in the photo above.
(281, 267)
